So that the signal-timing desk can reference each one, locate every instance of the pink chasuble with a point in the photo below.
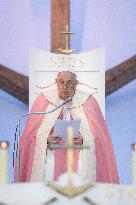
(106, 170)
(28, 140)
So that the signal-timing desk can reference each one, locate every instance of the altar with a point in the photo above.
(41, 194)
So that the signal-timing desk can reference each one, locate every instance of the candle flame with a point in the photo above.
(4, 145)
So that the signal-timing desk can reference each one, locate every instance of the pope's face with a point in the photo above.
(66, 83)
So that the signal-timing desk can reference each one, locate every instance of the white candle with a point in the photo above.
(4, 162)
(134, 164)
(70, 156)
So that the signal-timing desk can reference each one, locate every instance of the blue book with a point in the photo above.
(61, 126)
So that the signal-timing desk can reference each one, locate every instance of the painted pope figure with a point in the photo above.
(95, 164)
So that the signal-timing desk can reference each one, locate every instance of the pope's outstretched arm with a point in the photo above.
(28, 139)
(106, 169)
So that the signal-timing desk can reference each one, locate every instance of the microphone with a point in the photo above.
(17, 132)
(50, 111)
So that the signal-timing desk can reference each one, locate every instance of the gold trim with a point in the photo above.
(70, 191)
(69, 107)
(67, 51)
(80, 83)
(40, 87)
(89, 86)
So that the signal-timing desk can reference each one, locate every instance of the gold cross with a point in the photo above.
(67, 50)
(70, 190)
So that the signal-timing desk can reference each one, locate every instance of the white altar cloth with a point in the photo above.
(40, 194)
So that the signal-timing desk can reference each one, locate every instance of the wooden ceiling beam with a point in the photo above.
(60, 17)
(120, 75)
(14, 83)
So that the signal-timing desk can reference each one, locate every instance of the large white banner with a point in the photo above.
(89, 68)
